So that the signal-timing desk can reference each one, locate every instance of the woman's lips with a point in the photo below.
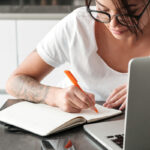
(118, 31)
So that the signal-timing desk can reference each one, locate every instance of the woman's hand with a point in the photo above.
(117, 98)
(71, 99)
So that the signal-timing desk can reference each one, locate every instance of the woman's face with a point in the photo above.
(117, 30)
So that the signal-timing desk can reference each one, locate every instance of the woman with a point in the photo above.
(97, 42)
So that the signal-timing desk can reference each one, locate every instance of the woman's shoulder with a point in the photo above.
(82, 11)
(81, 14)
(79, 19)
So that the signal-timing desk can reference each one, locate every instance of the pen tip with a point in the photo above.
(69, 144)
(95, 109)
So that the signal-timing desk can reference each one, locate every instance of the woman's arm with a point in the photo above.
(25, 84)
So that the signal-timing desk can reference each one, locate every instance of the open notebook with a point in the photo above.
(43, 120)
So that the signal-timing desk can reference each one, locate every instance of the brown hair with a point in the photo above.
(131, 24)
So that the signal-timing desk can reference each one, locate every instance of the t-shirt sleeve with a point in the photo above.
(54, 48)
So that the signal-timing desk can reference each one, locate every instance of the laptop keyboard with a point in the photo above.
(118, 139)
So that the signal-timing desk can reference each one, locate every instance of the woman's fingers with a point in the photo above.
(70, 107)
(72, 99)
(118, 102)
(116, 91)
(117, 98)
(123, 106)
(73, 108)
(92, 97)
(83, 97)
(78, 103)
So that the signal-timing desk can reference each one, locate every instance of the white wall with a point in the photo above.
(8, 54)
(30, 32)
(18, 38)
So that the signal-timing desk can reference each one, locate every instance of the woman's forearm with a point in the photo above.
(27, 88)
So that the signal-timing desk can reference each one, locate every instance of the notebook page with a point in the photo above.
(40, 119)
(90, 115)
(104, 112)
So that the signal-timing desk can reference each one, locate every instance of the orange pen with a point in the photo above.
(75, 82)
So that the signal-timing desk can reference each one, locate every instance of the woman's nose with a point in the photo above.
(114, 22)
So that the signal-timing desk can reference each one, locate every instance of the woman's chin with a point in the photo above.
(119, 37)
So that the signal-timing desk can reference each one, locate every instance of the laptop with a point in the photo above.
(132, 133)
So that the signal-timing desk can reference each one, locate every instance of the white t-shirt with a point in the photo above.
(73, 41)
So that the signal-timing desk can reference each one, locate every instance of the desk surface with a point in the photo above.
(28, 141)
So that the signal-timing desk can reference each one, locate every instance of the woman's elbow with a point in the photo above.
(9, 86)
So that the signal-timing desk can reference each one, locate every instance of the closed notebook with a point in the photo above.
(43, 120)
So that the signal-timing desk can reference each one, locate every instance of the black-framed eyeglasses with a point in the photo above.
(123, 19)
